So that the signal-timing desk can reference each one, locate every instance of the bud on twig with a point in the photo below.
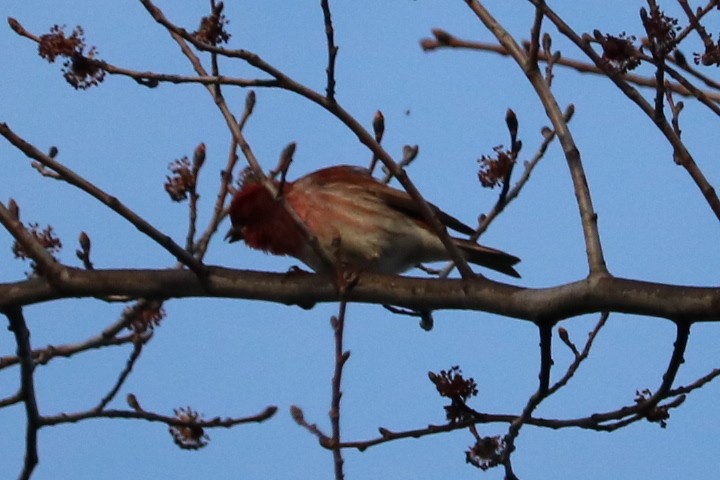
(198, 158)
(14, 209)
(379, 126)
(443, 37)
(132, 401)
(286, 158)
(565, 337)
(546, 42)
(84, 253)
(409, 154)
(250, 102)
(297, 414)
(512, 124)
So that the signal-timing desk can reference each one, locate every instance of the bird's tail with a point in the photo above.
(488, 257)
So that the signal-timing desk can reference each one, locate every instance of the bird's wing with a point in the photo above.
(394, 198)
(400, 200)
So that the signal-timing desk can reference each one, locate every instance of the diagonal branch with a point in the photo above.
(596, 260)
(680, 153)
(46, 263)
(110, 201)
(138, 343)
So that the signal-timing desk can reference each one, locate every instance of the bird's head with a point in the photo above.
(248, 207)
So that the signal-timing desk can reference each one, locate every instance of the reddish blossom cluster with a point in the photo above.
(144, 315)
(486, 452)
(192, 436)
(661, 30)
(182, 180)
(494, 170)
(212, 28)
(451, 384)
(619, 52)
(46, 238)
(184, 176)
(81, 70)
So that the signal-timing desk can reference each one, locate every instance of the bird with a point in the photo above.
(360, 224)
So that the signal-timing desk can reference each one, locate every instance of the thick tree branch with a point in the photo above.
(675, 302)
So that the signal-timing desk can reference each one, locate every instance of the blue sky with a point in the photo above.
(234, 357)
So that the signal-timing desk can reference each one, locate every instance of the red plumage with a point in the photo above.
(357, 220)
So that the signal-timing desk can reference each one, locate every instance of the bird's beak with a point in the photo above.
(233, 235)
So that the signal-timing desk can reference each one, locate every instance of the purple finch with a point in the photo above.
(358, 221)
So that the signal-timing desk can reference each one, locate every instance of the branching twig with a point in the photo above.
(216, 422)
(533, 402)
(596, 260)
(580, 356)
(680, 153)
(444, 39)
(44, 355)
(535, 39)
(138, 343)
(503, 201)
(299, 417)
(108, 200)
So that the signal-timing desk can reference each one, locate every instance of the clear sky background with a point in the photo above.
(234, 357)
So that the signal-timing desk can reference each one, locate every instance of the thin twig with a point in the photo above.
(341, 357)
(219, 213)
(216, 422)
(513, 193)
(137, 350)
(27, 367)
(533, 402)
(699, 383)
(332, 51)
(45, 355)
(535, 39)
(450, 41)
(680, 153)
(701, 12)
(11, 400)
(580, 356)
(682, 335)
